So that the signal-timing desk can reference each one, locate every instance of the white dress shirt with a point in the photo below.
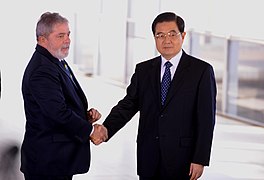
(174, 61)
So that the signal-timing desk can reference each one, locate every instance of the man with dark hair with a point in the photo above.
(175, 94)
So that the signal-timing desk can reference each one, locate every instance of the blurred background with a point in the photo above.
(108, 38)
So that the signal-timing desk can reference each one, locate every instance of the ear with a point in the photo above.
(183, 35)
(41, 39)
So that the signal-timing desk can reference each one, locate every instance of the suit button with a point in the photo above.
(161, 116)
(157, 137)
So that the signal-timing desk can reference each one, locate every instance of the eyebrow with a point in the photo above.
(63, 33)
(167, 32)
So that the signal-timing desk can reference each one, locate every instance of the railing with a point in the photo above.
(239, 71)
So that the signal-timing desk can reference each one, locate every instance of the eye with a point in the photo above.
(61, 36)
(161, 35)
(172, 34)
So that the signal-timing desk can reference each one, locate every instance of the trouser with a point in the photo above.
(33, 177)
(162, 173)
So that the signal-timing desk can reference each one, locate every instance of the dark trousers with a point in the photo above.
(164, 177)
(162, 173)
(160, 178)
(29, 177)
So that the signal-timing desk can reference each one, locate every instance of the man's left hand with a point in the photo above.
(196, 170)
(93, 115)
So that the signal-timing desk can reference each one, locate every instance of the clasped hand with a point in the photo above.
(99, 134)
(93, 115)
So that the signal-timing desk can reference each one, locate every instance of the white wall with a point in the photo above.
(18, 20)
(225, 17)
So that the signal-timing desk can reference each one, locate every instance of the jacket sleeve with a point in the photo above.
(57, 111)
(206, 109)
(125, 109)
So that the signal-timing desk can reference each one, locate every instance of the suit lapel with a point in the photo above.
(76, 85)
(155, 78)
(56, 61)
(73, 79)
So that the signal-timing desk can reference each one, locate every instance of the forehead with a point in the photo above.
(166, 26)
(60, 28)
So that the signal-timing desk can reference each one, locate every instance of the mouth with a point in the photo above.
(167, 47)
(65, 48)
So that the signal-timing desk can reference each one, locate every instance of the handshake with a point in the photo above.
(99, 133)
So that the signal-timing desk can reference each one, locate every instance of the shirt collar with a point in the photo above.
(174, 61)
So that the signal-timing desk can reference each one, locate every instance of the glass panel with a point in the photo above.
(211, 49)
(250, 100)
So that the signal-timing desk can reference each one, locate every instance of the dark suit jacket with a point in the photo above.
(180, 132)
(56, 140)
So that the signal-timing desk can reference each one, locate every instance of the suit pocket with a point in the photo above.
(60, 138)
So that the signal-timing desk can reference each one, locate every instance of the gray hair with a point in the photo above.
(47, 21)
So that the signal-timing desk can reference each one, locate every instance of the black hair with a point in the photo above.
(167, 17)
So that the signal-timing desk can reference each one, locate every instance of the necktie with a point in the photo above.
(66, 67)
(165, 83)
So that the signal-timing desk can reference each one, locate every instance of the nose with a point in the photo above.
(167, 38)
(67, 39)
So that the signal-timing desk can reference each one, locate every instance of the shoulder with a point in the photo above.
(196, 62)
(149, 63)
(39, 65)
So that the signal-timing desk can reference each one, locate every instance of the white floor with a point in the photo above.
(237, 154)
